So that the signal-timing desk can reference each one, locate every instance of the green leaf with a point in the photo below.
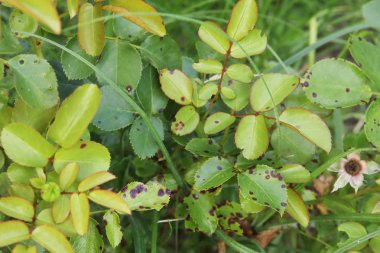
(176, 85)
(26, 146)
(231, 217)
(110, 200)
(372, 123)
(162, 53)
(218, 122)
(228, 93)
(74, 115)
(207, 91)
(74, 68)
(19, 21)
(297, 208)
(264, 185)
(334, 83)
(12, 232)
(243, 18)
(37, 90)
(213, 173)
(203, 147)
(279, 86)
(61, 208)
(367, 56)
(249, 205)
(211, 34)
(202, 211)
(292, 146)
(253, 44)
(239, 94)
(94, 180)
(240, 72)
(127, 30)
(2, 159)
(186, 121)
(9, 44)
(91, 157)
(68, 175)
(45, 217)
(142, 197)
(16, 207)
(354, 231)
(37, 118)
(114, 112)
(73, 7)
(208, 66)
(149, 93)
(20, 174)
(140, 13)
(142, 140)
(371, 11)
(50, 191)
(51, 239)
(375, 244)
(308, 125)
(113, 228)
(252, 136)
(80, 212)
(116, 56)
(295, 173)
(91, 242)
(42, 10)
(23, 191)
(91, 32)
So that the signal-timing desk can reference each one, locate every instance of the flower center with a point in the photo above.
(352, 167)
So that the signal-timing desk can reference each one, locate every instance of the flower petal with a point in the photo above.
(372, 168)
(353, 156)
(356, 182)
(341, 182)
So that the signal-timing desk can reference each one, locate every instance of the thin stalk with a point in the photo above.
(154, 233)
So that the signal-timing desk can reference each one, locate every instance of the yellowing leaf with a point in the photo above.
(95, 180)
(176, 85)
(297, 209)
(17, 208)
(61, 208)
(42, 10)
(253, 44)
(45, 217)
(73, 7)
(68, 175)
(23, 249)
(213, 35)
(51, 239)
(243, 19)
(12, 232)
(208, 66)
(74, 115)
(140, 13)
(110, 200)
(80, 212)
(252, 136)
(91, 32)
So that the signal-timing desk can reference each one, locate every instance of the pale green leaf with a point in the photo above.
(295, 173)
(91, 242)
(113, 228)
(249, 205)
(176, 85)
(208, 66)
(186, 121)
(372, 123)
(68, 175)
(297, 208)
(354, 231)
(243, 19)
(211, 34)
(203, 147)
(21, 174)
(371, 11)
(45, 217)
(240, 98)
(21, 22)
(218, 122)
(80, 212)
(61, 208)
(253, 44)
(51, 239)
(16, 207)
(240, 72)
(24, 191)
(12, 232)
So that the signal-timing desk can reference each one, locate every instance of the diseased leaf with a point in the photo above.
(142, 197)
(35, 81)
(186, 121)
(73, 67)
(9, 44)
(42, 10)
(211, 34)
(279, 86)
(297, 208)
(334, 83)
(12, 232)
(308, 125)
(253, 44)
(218, 122)
(141, 138)
(51, 239)
(110, 200)
(252, 136)
(21, 22)
(113, 228)
(114, 112)
(91, 31)
(91, 242)
(265, 186)
(213, 172)
(372, 123)
(203, 147)
(231, 217)
(26, 146)
(80, 212)
(249, 205)
(94, 180)
(243, 18)
(74, 115)
(140, 13)
(176, 85)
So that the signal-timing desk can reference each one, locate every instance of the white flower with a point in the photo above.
(351, 171)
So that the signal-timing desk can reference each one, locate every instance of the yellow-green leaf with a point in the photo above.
(51, 239)
(295, 173)
(61, 208)
(91, 32)
(12, 232)
(73, 7)
(110, 200)
(297, 208)
(20, 248)
(218, 122)
(45, 217)
(214, 36)
(177, 86)
(80, 211)
(95, 180)
(42, 10)
(74, 115)
(24, 191)
(140, 13)
(186, 120)
(243, 19)
(68, 175)
(26, 146)
(208, 66)
(17, 208)
(253, 44)
(240, 72)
